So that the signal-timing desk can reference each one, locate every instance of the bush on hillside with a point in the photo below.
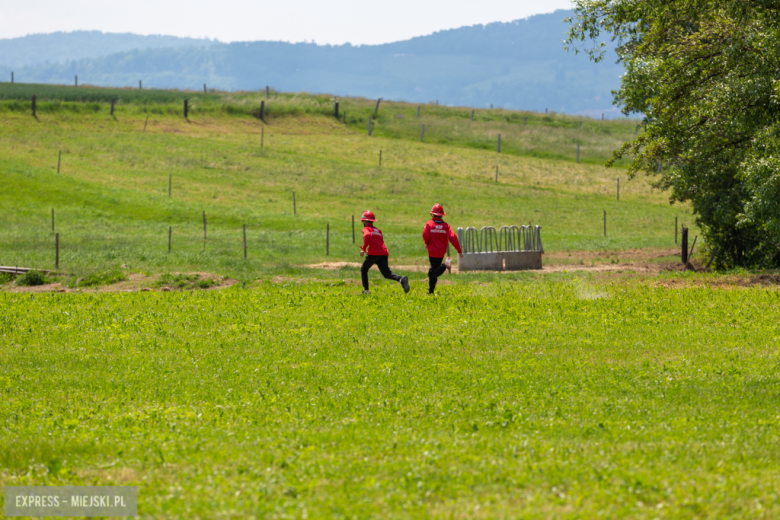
(102, 278)
(32, 278)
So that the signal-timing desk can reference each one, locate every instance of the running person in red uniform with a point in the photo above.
(374, 246)
(436, 235)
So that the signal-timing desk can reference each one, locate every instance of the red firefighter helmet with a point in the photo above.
(368, 215)
(437, 210)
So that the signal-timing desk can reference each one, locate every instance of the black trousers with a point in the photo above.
(437, 269)
(381, 262)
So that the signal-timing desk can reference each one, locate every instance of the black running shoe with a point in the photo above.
(405, 283)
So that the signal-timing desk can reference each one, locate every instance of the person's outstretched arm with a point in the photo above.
(427, 234)
(454, 241)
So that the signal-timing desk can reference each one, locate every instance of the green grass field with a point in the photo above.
(496, 400)
(111, 204)
(288, 395)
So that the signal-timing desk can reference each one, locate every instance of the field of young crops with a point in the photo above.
(304, 400)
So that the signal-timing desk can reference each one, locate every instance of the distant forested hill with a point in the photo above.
(518, 65)
(37, 49)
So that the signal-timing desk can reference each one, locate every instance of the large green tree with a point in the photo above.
(706, 76)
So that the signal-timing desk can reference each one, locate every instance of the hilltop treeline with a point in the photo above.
(516, 65)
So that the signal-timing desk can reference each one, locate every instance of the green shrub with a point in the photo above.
(102, 278)
(176, 280)
(5, 278)
(205, 284)
(32, 278)
(185, 281)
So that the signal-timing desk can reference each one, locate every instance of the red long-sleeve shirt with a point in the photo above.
(374, 242)
(436, 234)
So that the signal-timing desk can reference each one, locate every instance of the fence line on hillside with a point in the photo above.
(371, 122)
(180, 239)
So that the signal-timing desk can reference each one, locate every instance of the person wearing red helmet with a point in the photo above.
(436, 235)
(376, 253)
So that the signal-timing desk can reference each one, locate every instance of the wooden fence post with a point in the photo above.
(140, 85)
(369, 125)
(353, 229)
(262, 136)
(113, 101)
(262, 111)
(204, 89)
(186, 108)
(472, 118)
(170, 232)
(380, 158)
(580, 124)
(57, 251)
(690, 253)
(712, 258)
(204, 231)
(376, 109)
(145, 122)
(267, 92)
(605, 223)
(59, 161)
(618, 189)
(422, 133)
(336, 109)
(496, 173)
(636, 131)
(498, 147)
(170, 181)
(327, 239)
(684, 252)
(525, 121)
(244, 241)
(12, 77)
(578, 153)
(295, 211)
(77, 81)
(418, 111)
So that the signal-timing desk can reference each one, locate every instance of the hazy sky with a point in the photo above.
(335, 21)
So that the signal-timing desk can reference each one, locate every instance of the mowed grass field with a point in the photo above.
(504, 400)
(111, 204)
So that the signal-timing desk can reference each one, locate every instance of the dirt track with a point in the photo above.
(135, 282)
(560, 268)
(606, 266)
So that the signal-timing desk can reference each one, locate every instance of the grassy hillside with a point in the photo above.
(523, 133)
(111, 195)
